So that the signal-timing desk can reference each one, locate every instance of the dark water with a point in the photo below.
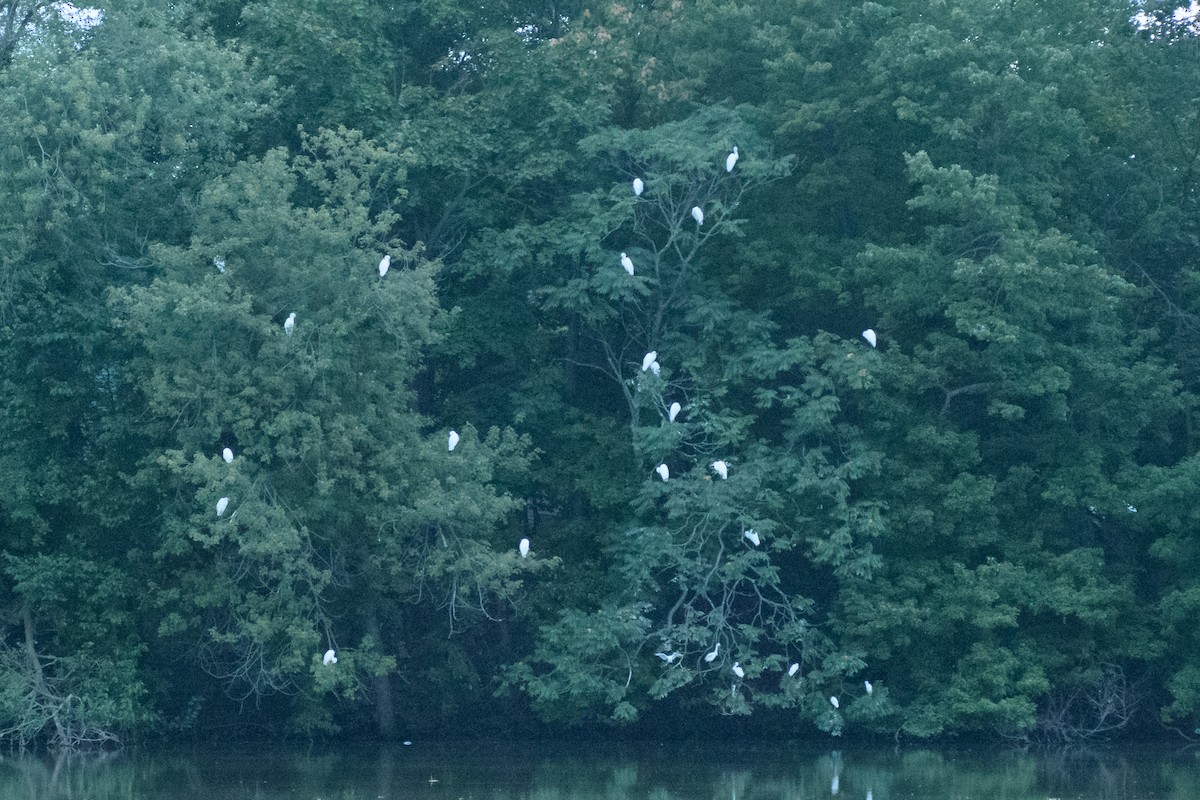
(541, 771)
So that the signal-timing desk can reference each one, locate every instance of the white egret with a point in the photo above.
(289, 323)
(523, 547)
(712, 655)
(219, 263)
(737, 670)
(752, 535)
(330, 657)
(670, 658)
(655, 367)
(869, 335)
(452, 441)
(385, 264)
(627, 263)
(673, 412)
(731, 159)
(833, 701)
(227, 454)
(698, 215)
(1129, 507)
(649, 359)
(638, 187)
(222, 504)
(721, 468)
(793, 669)
(663, 472)
(870, 689)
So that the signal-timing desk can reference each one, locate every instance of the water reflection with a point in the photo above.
(474, 771)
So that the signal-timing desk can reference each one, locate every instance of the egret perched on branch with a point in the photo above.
(731, 160)
(330, 657)
(627, 263)
(655, 367)
(219, 263)
(222, 504)
(833, 701)
(670, 658)
(721, 468)
(869, 335)
(870, 689)
(712, 655)
(385, 263)
(752, 535)
(289, 323)
(638, 187)
(523, 547)
(649, 359)
(227, 454)
(452, 441)
(673, 411)
(793, 669)
(698, 215)
(663, 472)
(737, 670)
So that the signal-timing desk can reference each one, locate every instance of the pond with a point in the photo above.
(541, 771)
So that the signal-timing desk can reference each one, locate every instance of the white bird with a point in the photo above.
(869, 335)
(649, 359)
(663, 472)
(289, 323)
(655, 367)
(523, 547)
(721, 468)
(385, 263)
(227, 454)
(698, 215)
(833, 701)
(638, 187)
(330, 657)
(627, 263)
(222, 504)
(219, 263)
(752, 535)
(670, 658)
(793, 669)
(452, 440)
(712, 656)
(867, 685)
(673, 412)
(731, 159)
(737, 670)
(1129, 507)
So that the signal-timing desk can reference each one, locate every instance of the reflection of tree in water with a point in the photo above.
(1105, 773)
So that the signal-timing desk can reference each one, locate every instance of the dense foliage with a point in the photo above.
(985, 524)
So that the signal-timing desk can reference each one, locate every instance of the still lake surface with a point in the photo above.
(542, 771)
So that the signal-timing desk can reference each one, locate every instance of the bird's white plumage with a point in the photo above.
(663, 472)
(670, 658)
(731, 159)
(698, 215)
(452, 441)
(219, 263)
(793, 669)
(330, 657)
(833, 701)
(752, 535)
(711, 655)
(649, 359)
(737, 670)
(867, 685)
(290, 323)
(655, 367)
(227, 454)
(673, 411)
(523, 548)
(638, 187)
(222, 504)
(627, 263)
(385, 264)
(721, 468)
(869, 335)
